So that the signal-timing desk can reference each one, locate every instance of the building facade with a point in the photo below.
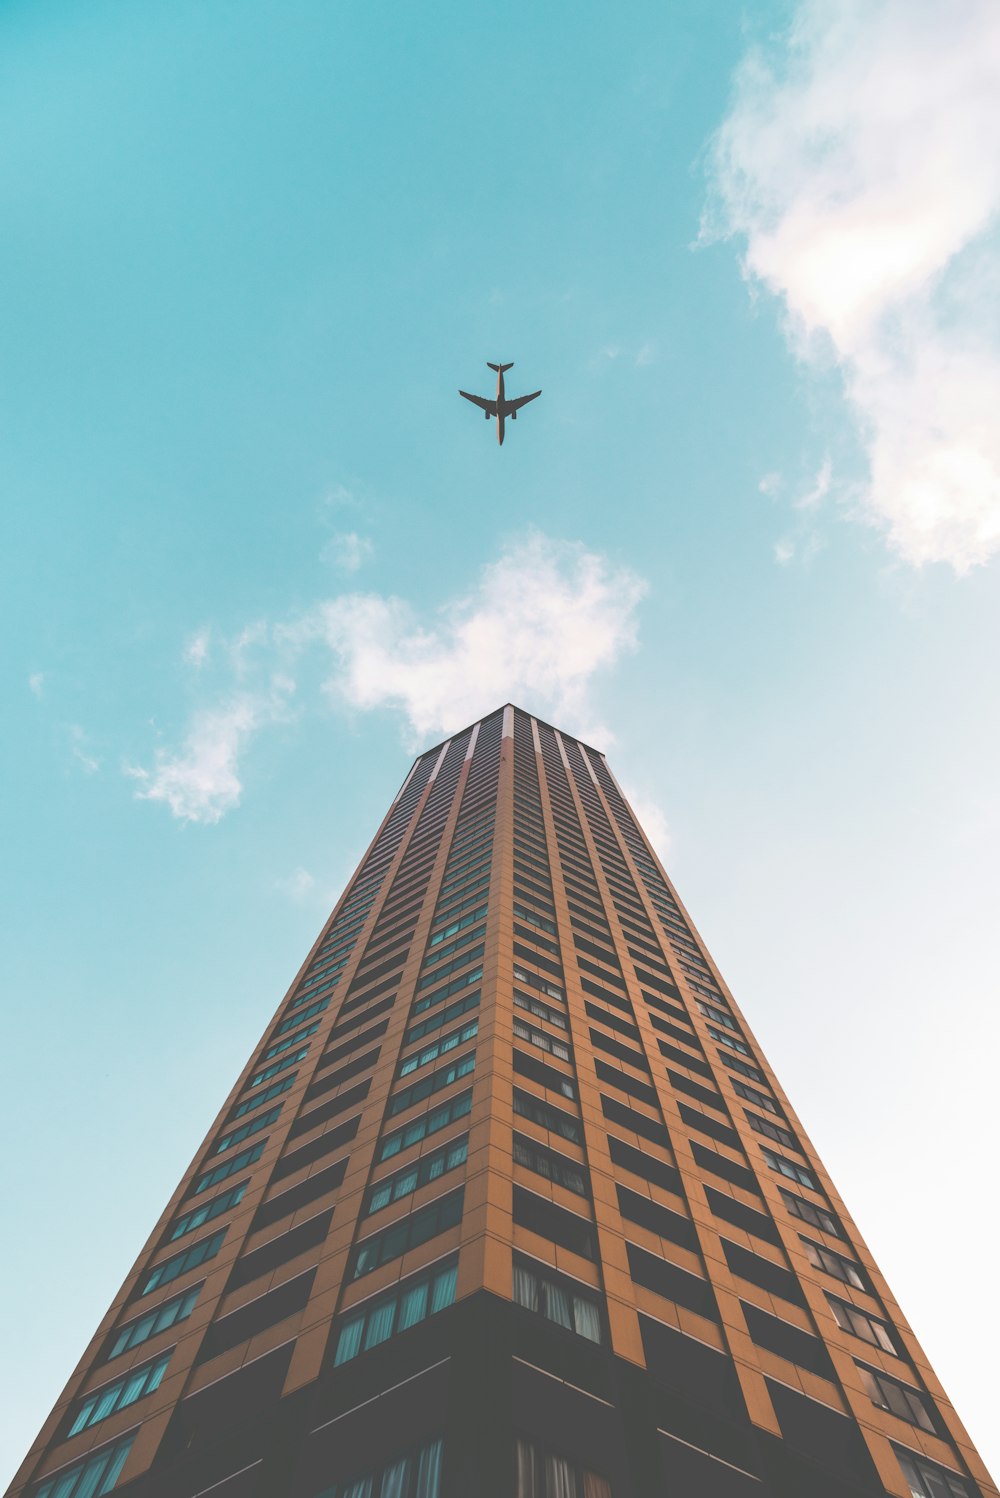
(507, 1203)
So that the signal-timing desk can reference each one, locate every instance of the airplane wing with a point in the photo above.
(490, 407)
(522, 400)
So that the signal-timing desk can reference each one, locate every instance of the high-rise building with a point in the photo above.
(507, 1203)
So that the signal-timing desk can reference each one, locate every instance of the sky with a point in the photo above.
(256, 552)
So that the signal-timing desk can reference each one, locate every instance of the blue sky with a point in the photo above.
(257, 551)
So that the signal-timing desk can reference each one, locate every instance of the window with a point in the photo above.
(899, 1399)
(540, 1010)
(229, 1167)
(789, 1168)
(164, 1316)
(753, 1096)
(434, 956)
(386, 1315)
(541, 1040)
(534, 919)
(95, 1475)
(809, 1212)
(419, 1227)
(558, 1300)
(284, 1045)
(544, 1074)
(439, 1048)
(552, 1166)
(547, 1117)
(208, 1210)
(437, 1080)
(198, 1253)
(416, 1476)
(124, 1391)
(275, 1090)
(523, 975)
(729, 1040)
(927, 1479)
(296, 1019)
(236, 1136)
(271, 1071)
(860, 1324)
(450, 967)
(427, 1168)
(718, 1015)
(835, 1264)
(540, 1215)
(436, 1021)
(438, 1118)
(456, 926)
(771, 1130)
(541, 1474)
(744, 1069)
(472, 976)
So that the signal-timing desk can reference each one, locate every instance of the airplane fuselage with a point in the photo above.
(500, 401)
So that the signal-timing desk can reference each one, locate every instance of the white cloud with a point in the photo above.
(820, 488)
(201, 782)
(542, 621)
(88, 762)
(36, 684)
(348, 551)
(539, 624)
(859, 163)
(646, 353)
(196, 649)
(297, 885)
(784, 551)
(652, 819)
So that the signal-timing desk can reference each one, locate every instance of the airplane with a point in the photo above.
(501, 408)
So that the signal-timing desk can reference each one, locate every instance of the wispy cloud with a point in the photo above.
(858, 162)
(540, 623)
(298, 885)
(652, 820)
(201, 781)
(538, 626)
(78, 743)
(36, 684)
(348, 551)
(196, 649)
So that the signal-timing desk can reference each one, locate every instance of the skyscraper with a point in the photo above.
(507, 1203)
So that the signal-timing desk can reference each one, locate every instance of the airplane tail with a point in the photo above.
(500, 368)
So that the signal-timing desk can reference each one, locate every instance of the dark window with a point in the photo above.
(435, 1082)
(763, 1272)
(554, 1167)
(659, 1172)
(543, 1217)
(332, 1140)
(280, 1250)
(772, 1130)
(789, 1168)
(727, 1169)
(299, 1196)
(742, 1216)
(544, 1074)
(657, 1218)
(616, 1078)
(627, 1118)
(787, 1341)
(526, 1105)
(714, 1127)
(267, 1310)
(671, 1281)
